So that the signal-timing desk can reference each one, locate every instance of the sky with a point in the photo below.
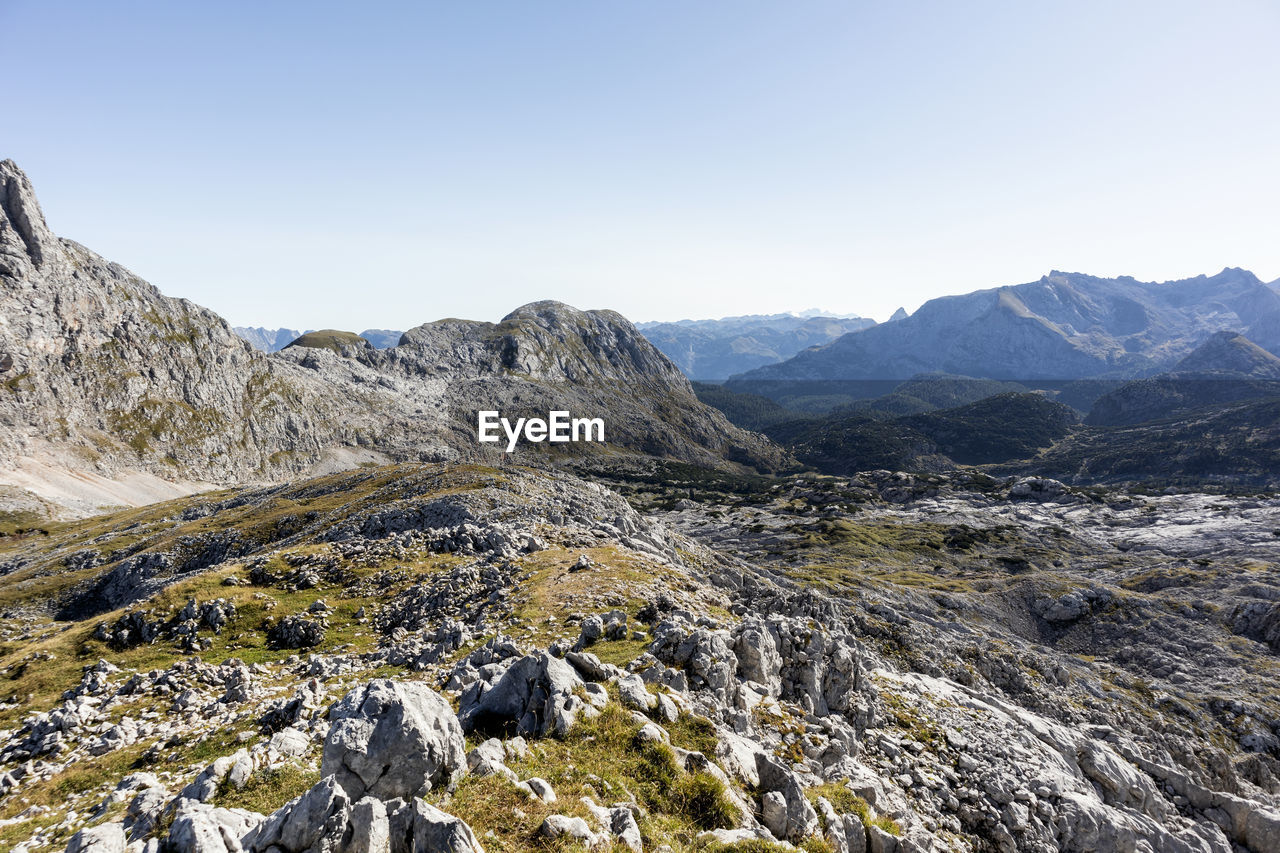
(380, 165)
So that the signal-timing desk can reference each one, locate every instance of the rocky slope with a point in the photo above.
(586, 362)
(431, 657)
(717, 349)
(1064, 326)
(105, 377)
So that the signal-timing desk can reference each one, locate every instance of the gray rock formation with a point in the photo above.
(959, 664)
(393, 739)
(534, 695)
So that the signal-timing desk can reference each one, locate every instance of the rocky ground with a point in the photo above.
(464, 658)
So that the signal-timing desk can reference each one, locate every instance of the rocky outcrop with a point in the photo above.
(111, 376)
(393, 739)
(905, 663)
(533, 695)
(578, 361)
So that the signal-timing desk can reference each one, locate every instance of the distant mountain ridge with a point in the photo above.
(713, 350)
(267, 340)
(1064, 326)
(274, 340)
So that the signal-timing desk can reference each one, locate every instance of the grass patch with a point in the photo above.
(267, 790)
(601, 758)
(845, 802)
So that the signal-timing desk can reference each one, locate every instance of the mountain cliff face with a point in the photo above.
(105, 376)
(583, 362)
(1064, 326)
(108, 374)
(717, 349)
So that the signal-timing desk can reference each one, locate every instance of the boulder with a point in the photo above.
(103, 838)
(784, 796)
(558, 826)
(618, 822)
(370, 827)
(540, 788)
(536, 695)
(206, 784)
(393, 739)
(635, 694)
(419, 826)
(758, 657)
(291, 742)
(1037, 489)
(200, 828)
(321, 813)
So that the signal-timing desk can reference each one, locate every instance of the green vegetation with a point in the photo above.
(267, 790)
(749, 411)
(931, 391)
(996, 429)
(1235, 446)
(845, 801)
(600, 758)
(20, 522)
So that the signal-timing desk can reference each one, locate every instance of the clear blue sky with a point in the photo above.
(358, 165)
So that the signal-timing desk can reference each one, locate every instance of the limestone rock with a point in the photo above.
(393, 739)
(537, 693)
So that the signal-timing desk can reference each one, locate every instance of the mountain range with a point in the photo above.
(115, 393)
(1209, 421)
(1064, 326)
(274, 340)
(713, 350)
(702, 349)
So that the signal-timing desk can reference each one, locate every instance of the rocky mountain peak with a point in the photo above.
(25, 238)
(551, 311)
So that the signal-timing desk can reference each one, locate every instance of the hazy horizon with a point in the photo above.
(322, 166)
